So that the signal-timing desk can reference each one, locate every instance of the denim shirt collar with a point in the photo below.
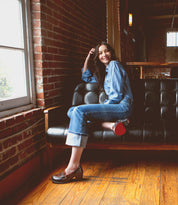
(107, 69)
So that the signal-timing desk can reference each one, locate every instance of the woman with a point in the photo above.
(110, 75)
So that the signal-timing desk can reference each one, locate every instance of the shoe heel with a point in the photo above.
(126, 122)
(79, 176)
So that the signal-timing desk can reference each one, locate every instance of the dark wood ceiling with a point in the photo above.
(162, 13)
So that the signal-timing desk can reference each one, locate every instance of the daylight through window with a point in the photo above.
(172, 39)
(16, 89)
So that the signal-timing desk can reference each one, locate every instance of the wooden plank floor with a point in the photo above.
(112, 177)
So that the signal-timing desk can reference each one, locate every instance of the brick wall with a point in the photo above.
(21, 138)
(63, 33)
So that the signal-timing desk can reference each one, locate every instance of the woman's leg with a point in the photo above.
(79, 116)
(73, 169)
(74, 161)
(108, 125)
(77, 136)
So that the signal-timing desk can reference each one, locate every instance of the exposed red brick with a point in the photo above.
(38, 49)
(40, 95)
(9, 153)
(39, 72)
(2, 124)
(36, 15)
(36, 23)
(5, 165)
(41, 102)
(49, 87)
(20, 127)
(25, 144)
(27, 134)
(35, 1)
(5, 133)
(37, 37)
(12, 141)
(36, 6)
(10, 121)
(38, 56)
(19, 118)
(0, 147)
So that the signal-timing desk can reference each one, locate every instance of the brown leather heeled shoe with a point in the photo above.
(63, 178)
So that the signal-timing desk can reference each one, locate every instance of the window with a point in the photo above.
(16, 76)
(172, 39)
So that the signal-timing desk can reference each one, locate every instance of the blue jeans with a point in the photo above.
(81, 115)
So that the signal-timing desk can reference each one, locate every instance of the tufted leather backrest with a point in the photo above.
(88, 93)
(154, 99)
(159, 98)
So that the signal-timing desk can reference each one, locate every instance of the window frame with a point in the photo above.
(17, 105)
(172, 46)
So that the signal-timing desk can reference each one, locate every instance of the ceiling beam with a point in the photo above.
(160, 5)
(162, 17)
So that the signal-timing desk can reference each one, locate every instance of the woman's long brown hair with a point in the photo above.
(100, 68)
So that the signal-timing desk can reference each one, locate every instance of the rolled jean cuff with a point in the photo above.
(77, 140)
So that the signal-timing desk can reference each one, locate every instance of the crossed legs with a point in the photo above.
(79, 117)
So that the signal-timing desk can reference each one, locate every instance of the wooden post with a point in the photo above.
(113, 26)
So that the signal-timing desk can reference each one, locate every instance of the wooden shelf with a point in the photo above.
(141, 65)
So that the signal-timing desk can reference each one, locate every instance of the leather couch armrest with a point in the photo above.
(54, 116)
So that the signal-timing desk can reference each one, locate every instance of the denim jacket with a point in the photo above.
(116, 83)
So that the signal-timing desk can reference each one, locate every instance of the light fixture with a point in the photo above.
(130, 19)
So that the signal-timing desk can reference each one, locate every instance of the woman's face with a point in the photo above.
(104, 55)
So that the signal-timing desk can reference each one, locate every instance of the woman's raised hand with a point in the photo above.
(91, 52)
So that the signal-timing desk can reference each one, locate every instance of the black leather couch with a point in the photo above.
(153, 123)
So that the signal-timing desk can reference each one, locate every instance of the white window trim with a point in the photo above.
(29, 64)
(172, 46)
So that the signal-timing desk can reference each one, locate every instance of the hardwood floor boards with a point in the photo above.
(111, 177)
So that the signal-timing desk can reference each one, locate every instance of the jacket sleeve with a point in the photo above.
(88, 77)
